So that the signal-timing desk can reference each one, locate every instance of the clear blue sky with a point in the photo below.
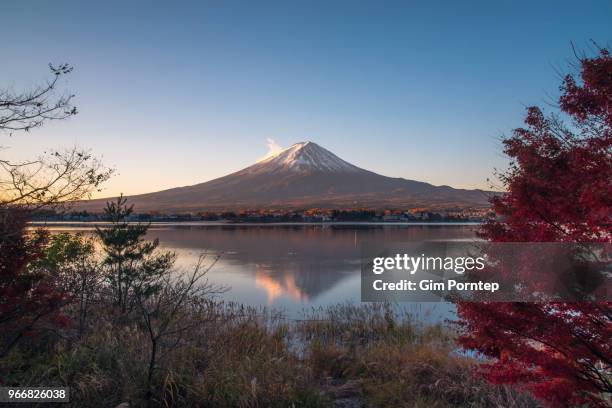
(177, 93)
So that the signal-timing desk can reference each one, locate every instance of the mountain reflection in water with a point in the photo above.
(290, 267)
(282, 285)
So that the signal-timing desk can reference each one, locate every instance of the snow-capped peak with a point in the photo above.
(306, 156)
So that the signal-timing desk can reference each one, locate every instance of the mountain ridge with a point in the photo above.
(303, 175)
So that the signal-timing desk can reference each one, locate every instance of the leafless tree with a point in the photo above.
(174, 309)
(28, 298)
(55, 177)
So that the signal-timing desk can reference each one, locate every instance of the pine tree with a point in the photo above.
(132, 265)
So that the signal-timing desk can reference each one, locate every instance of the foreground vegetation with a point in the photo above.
(346, 356)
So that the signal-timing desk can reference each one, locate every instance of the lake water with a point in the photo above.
(293, 267)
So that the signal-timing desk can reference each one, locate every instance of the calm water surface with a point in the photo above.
(293, 267)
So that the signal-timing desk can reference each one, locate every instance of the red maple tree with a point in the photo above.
(558, 189)
(29, 298)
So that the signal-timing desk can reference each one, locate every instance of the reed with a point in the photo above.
(236, 356)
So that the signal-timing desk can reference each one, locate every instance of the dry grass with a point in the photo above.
(346, 355)
(390, 360)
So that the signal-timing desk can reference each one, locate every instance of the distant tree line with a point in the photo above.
(309, 215)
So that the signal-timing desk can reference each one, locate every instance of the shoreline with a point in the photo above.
(155, 224)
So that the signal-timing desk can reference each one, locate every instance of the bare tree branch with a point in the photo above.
(30, 109)
(56, 177)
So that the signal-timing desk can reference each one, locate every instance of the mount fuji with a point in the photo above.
(304, 175)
